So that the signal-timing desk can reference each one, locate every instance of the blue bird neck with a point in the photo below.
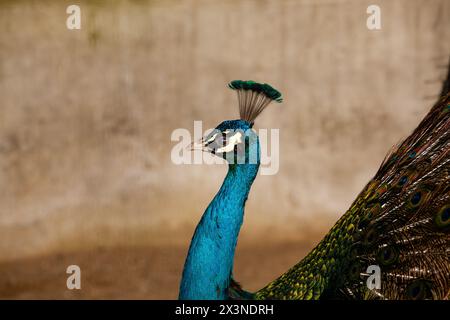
(209, 264)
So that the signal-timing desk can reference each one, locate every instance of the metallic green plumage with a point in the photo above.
(400, 222)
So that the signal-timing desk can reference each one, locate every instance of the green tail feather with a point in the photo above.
(400, 222)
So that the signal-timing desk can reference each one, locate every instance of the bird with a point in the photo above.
(399, 222)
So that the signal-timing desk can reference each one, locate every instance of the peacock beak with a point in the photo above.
(197, 145)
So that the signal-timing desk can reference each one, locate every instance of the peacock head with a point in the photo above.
(235, 140)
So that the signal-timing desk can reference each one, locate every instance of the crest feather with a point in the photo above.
(253, 97)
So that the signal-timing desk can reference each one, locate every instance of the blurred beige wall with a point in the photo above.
(86, 116)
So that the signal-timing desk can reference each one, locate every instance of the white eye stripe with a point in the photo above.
(212, 138)
(234, 140)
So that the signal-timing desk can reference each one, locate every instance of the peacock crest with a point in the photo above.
(253, 98)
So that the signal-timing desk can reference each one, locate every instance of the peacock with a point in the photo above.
(400, 221)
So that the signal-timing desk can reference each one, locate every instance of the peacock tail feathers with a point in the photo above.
(253, 97)
(399, 222)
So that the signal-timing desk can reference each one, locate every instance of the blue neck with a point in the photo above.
(209, 264)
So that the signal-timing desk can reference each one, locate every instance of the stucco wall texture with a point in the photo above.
(86, 115)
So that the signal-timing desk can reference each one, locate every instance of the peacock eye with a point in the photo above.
(415, 199)
(387, 255)
(419, 290)
(446, 215)
(419, 197)
(403, 180)
(442, 217)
